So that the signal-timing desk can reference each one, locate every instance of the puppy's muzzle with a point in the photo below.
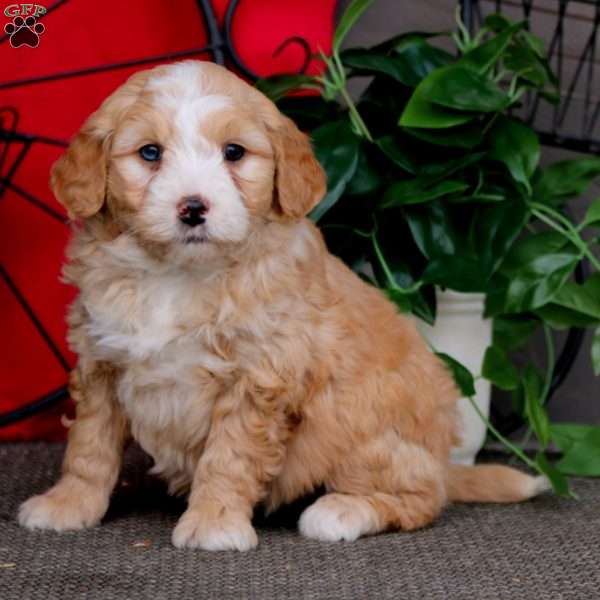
(192, 210)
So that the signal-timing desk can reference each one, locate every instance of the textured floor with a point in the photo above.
(547, 548)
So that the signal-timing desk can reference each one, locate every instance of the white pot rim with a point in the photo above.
(449, 301)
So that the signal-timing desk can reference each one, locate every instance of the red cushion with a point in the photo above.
(79, 35)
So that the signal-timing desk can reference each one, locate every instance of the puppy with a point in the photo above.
(214, 328)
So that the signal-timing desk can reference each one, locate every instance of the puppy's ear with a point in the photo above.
(300, 182)
(79, 177)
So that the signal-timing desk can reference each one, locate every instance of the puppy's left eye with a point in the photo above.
(150, 152)
(233, 152)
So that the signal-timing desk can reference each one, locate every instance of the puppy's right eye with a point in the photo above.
(150, 152)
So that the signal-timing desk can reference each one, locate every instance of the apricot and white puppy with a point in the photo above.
(213, 326)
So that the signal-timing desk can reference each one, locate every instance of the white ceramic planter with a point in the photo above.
(461, 331)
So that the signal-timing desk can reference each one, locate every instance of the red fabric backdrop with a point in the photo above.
(80, 34)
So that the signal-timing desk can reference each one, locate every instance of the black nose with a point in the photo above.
(192, 210)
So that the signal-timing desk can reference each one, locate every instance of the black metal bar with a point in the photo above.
(467, 12)
(35, 201)
(19, 136)
(33, 318)
(233, 55)
(559, 58)
(590, 76)
(586, 146)
(575, 79)
(13, 168)
(34, 408)
(215, 39)
(303, 44)
(13, 127)
(102, 68)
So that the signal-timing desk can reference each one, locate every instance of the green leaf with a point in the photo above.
(348, 19)
(409, 66)
(462, 273)
(468, 136)
(534, 409)
(535, 270)
(574, 305)
(401, 300)
(367, 179)
(396, 153)
(592, 215)
(460, 88)
(427, 186)
(497, 22)
(564, 179)
(522, 60)
(462, 376)
(413, 191)
(582, 457)
(368, 62)
(309, 112)
(432, 229)
(421, 113)
(278, 86)
(486, 55)
(498, 369)
(535, 43)
(336, 148)
(436, 229)
(494, 230)
(421, 58)
(400, 42)
(596, 352)
(512, 331)
(438, 170)
(559, 482)
(515, 145)
(565, 435)
(559, 317)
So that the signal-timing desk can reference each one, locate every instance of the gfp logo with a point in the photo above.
(24, 30)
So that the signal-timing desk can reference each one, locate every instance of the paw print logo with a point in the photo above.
(24, 32)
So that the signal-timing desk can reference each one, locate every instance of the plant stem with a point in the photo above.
(531, 464)
(547, 380)
(547, 214)
(489, 124)
(388, 274)
(355, 114)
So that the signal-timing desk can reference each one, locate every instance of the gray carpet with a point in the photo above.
(545, 549)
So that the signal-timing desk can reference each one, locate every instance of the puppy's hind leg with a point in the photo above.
(379, 488)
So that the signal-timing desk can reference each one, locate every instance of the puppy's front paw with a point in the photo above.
(229, 532)
(62, 509)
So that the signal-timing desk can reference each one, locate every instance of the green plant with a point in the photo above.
(431, 183)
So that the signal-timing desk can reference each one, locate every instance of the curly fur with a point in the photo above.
(251, 364)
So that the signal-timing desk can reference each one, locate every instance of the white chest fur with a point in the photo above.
(157, 328)
(136, 316)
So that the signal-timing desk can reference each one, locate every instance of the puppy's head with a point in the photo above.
(188, 154)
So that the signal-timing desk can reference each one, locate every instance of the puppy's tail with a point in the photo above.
(492, 483)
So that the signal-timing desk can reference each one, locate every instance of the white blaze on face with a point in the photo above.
(191, 164)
